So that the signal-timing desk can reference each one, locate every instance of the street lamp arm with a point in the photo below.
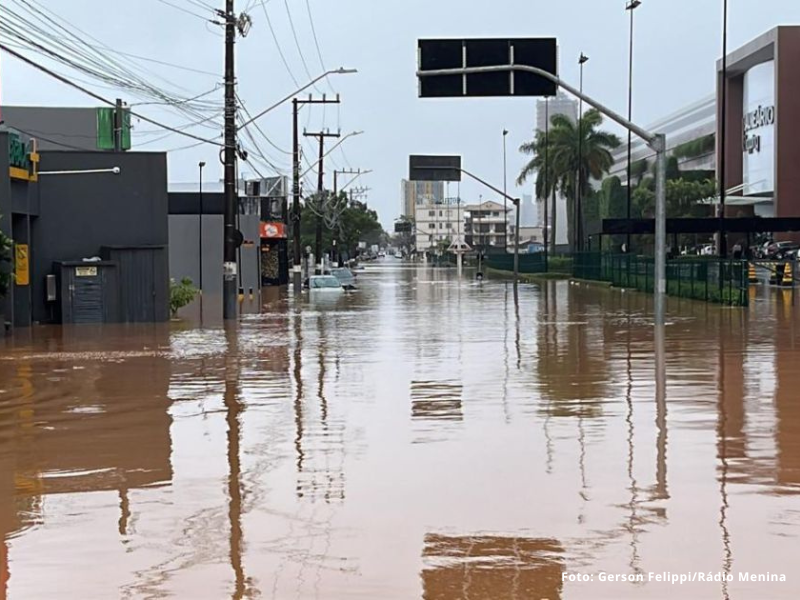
(490, 186)
(651, 139)
(331, 149)
(353, 180)
(340, 71)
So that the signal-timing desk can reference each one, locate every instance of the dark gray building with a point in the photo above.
(68, 128)
(102, 237)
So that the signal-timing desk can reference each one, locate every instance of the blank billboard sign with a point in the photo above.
(439, 54)
(434, 168)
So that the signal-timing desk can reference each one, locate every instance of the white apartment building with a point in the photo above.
(438, 224)
(487, 225)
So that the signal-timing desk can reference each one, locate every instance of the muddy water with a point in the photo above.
(416, 439)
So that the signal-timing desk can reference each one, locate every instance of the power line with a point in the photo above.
(66, 81)
(278, 46)
(187, 11)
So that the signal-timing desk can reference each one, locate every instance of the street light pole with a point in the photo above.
(201, 164)
(657, 142)
(631, 7)
(229, 266)
(723, 246)
(578, 241)
(505, 191)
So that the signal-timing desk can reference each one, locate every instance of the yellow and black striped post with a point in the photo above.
(788, 275)
(752, 275)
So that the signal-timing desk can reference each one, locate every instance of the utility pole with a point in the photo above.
(229, 287)
(297, 275)
(321, 135)
(118, 126)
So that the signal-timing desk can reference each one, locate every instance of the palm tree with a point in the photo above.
(569, 159)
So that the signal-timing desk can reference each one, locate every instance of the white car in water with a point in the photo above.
(324, 284)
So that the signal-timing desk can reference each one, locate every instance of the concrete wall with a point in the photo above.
(184, 251)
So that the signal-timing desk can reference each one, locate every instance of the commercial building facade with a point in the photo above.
(762, 139)
(90, 234)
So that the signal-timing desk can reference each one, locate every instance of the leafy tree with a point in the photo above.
(576, 152)
(613, 199)
(5, 264)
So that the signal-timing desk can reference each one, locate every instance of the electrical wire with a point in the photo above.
(80, 88)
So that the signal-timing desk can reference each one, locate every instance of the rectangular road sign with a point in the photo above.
(434, 168)
(440, 54)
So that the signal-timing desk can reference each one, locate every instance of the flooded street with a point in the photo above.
(419, 438)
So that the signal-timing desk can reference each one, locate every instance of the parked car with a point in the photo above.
(345, 277)
(779, 250)
(324, 284)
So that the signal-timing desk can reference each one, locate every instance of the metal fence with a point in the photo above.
(528, 263)
(710, 280)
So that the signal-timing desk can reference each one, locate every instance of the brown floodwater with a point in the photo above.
(419, 438)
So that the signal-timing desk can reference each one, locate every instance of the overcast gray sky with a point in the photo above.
(677, 42)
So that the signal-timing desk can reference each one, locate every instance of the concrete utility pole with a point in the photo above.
(321, 135)
(297, 269)
(229, 288)
(118, 126)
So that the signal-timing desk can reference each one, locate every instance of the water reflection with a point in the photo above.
(290, 456)
(489, 567)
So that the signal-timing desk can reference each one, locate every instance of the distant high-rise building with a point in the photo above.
(527, 216)
(415, 193)
(558, 105)
(546, 109)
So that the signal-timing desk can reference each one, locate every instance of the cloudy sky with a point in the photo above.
(677, 42)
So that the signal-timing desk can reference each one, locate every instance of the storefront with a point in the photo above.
(103, 209)
(762, 137)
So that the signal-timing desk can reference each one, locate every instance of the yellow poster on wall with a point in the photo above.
(21, 265)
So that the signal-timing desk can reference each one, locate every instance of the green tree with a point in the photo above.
(5, 264)
(613, 198)
(578, 152)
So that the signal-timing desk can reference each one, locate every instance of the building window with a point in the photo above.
(449, 225)
(495, 214)
(431, 213)
(431, 225)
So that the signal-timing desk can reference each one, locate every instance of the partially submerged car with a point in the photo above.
(345, 277)
(324, 284)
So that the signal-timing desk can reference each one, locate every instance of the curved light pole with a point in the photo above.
(723, 246)
(631, 8)
(578, 217)
(505, 191)
(656, 141)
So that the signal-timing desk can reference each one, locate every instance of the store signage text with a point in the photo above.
(23, 159)
(763, 116)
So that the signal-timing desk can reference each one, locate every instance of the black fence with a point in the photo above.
(710, 280)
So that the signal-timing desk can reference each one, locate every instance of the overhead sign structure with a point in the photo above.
(434, 168)
(439, 54)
